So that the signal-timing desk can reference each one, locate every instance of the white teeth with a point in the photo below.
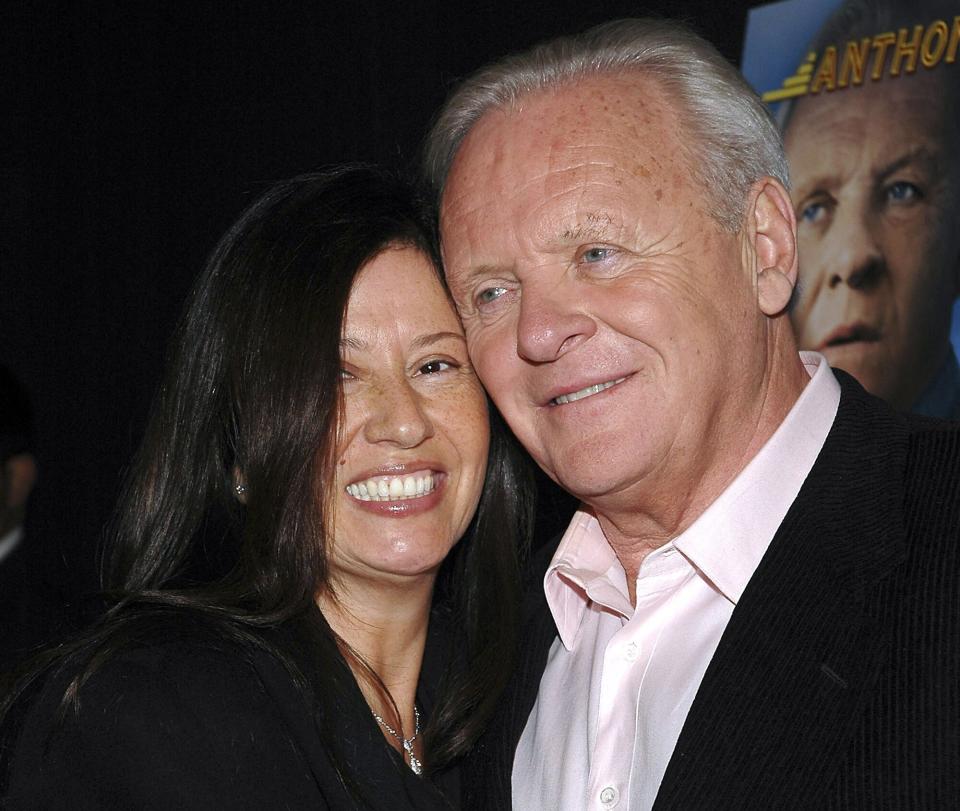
(392, 488)
(589, 391)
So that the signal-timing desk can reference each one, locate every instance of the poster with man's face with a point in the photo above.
(865, 92)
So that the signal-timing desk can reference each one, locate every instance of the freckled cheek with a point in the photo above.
(464, 418)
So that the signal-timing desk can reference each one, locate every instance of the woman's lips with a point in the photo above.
(398, 495)
(395, 487)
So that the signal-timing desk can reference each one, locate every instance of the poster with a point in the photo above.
(867, 95)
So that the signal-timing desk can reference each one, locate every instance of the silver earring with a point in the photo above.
(241, 489)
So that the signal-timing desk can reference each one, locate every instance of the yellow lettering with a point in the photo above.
(929, 53)
(954, 41)
(905, 50)
(854, 60)
(826, 72)
(880, 44)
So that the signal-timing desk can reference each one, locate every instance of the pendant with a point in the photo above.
(415, 765)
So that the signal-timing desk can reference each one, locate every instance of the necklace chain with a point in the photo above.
(407, 743)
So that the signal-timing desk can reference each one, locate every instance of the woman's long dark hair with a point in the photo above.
(252, 387)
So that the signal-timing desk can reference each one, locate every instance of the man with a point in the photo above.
(756, 605)
(877, 192)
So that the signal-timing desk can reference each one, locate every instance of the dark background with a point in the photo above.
(138, 131)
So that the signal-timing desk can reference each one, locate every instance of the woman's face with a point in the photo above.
(412, 451)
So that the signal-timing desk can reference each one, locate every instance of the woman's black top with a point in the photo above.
(190, 721)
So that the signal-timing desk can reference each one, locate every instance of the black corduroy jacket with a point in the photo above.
(836, 683)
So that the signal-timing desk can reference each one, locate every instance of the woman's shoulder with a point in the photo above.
(152, 659)
(174, 715)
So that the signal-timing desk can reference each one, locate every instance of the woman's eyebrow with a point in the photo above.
(423, 341)
(346, 342)
(420, 342)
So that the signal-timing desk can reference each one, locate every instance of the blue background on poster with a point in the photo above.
(777, 38)
(775, 44)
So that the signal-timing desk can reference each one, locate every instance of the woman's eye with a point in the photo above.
(903, 192)
(345, 375)
(434, 366)
(490, 294)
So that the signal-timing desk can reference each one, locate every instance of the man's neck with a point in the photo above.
(653, 512)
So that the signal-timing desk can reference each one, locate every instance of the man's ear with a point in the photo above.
(772, 229)
(20, 472)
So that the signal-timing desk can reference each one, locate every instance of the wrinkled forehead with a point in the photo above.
(922, 104)
(621, 124)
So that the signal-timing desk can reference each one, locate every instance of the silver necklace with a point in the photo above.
(407, 743)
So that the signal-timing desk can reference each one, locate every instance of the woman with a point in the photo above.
(314, 559)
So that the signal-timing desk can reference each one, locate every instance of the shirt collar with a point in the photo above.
(728, 540)
(725, 544)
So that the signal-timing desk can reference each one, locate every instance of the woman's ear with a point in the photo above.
(20, 474)
(239, 486)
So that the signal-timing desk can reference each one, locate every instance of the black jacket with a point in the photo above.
(836, 683)
(192, 721)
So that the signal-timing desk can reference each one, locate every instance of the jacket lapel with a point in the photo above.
(802, 649)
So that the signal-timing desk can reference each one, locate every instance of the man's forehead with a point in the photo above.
(617, 123)
(916, 102)
(568, 117)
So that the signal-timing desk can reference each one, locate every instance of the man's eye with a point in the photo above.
(490, 294)
(903, 192)
(596, 254)
(813, 212)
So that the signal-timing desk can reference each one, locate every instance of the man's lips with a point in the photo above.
(572, 394)
(848, 334)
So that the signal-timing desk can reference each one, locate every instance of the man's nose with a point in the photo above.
(858, 260)
(551, 323)
(397, 416)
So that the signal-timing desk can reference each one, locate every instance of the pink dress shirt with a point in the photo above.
(620, 680)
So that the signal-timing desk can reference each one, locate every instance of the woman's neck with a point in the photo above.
(387, 628)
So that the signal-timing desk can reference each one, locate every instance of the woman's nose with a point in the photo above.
(397, 415)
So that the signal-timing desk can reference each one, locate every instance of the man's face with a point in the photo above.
(610, 318)
(875, 195)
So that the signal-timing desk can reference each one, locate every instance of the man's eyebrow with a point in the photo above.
(919, 154)
(473, 275)
(596, 225)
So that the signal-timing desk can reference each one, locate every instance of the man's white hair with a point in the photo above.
(728, 136)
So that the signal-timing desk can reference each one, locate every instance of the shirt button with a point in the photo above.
(609, 797)
(631, 652)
